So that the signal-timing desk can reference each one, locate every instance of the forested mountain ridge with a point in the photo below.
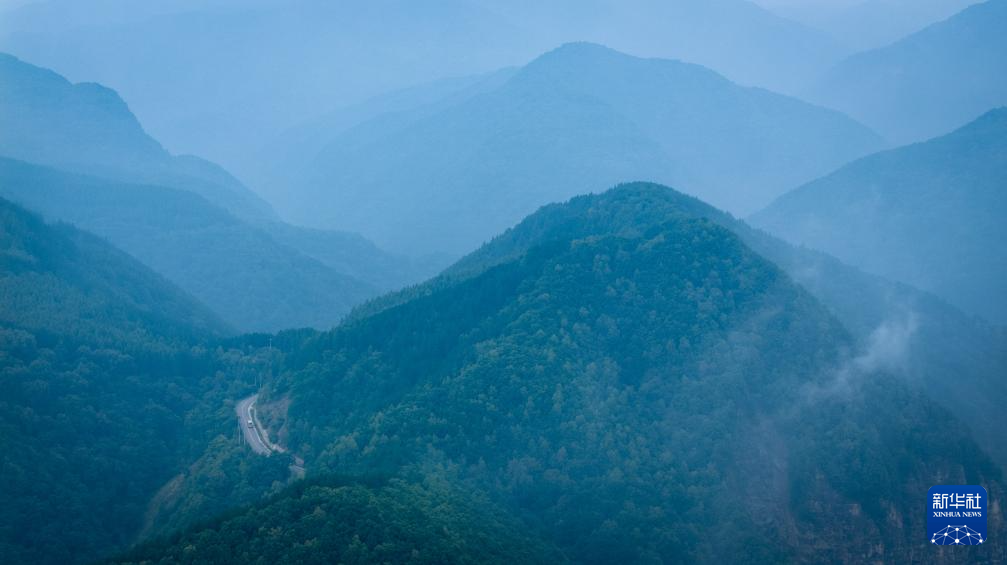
(580, 117)
(558, 379)
(929, 214)
(88, 128)
(928, 338)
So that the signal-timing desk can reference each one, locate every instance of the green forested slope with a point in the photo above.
(635, 390)
(356, 521)
(107, 388)
(928, 339)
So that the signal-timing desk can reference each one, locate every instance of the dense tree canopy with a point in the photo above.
(635, 388)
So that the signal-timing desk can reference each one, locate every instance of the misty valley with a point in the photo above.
(475, 281)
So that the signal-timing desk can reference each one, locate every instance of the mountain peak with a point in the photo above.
(44, 118)
(588, 56)
(582, 49)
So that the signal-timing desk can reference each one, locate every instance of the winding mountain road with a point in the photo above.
(258, 438)
(250, 426)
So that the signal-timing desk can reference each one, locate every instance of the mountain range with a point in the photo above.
(929, 214)
(530, 402)
(615, 371)
(88, 128)
(927, 84)
(610, 371)
(75, 153)
(318, 56)
(867, 24)
(446, 177)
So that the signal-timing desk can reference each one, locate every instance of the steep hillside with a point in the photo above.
(911, 333)
(581, 117)
(101, 363)
(241, 272)
(619, 382)
(929, 214)
(929, 83)
(87, 128)
(356, 521)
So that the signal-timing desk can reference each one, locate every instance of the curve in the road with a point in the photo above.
(250, 426)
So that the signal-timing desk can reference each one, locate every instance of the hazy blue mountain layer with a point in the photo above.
(736, 38)
(242, 273)
(878, 23)
(929, 83)
(617, 379)
(193, 71)
(88, 128)
(187, 218)
(930, 214)
(295, 148)
(64, 282)
(867, 24)
(579, 118)
(318, 54)
(352, 255)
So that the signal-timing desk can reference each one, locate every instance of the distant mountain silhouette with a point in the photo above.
(581, 117)
(867, 24)
(187, 218)
(320, 55)
(295, 148)
(243, 274)
(872, 24)
(57, 280)
(930, 214)
(929, 83)
(736, 38)
(88, 128)
(194, 70)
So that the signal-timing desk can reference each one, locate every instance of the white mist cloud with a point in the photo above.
(887, 349)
